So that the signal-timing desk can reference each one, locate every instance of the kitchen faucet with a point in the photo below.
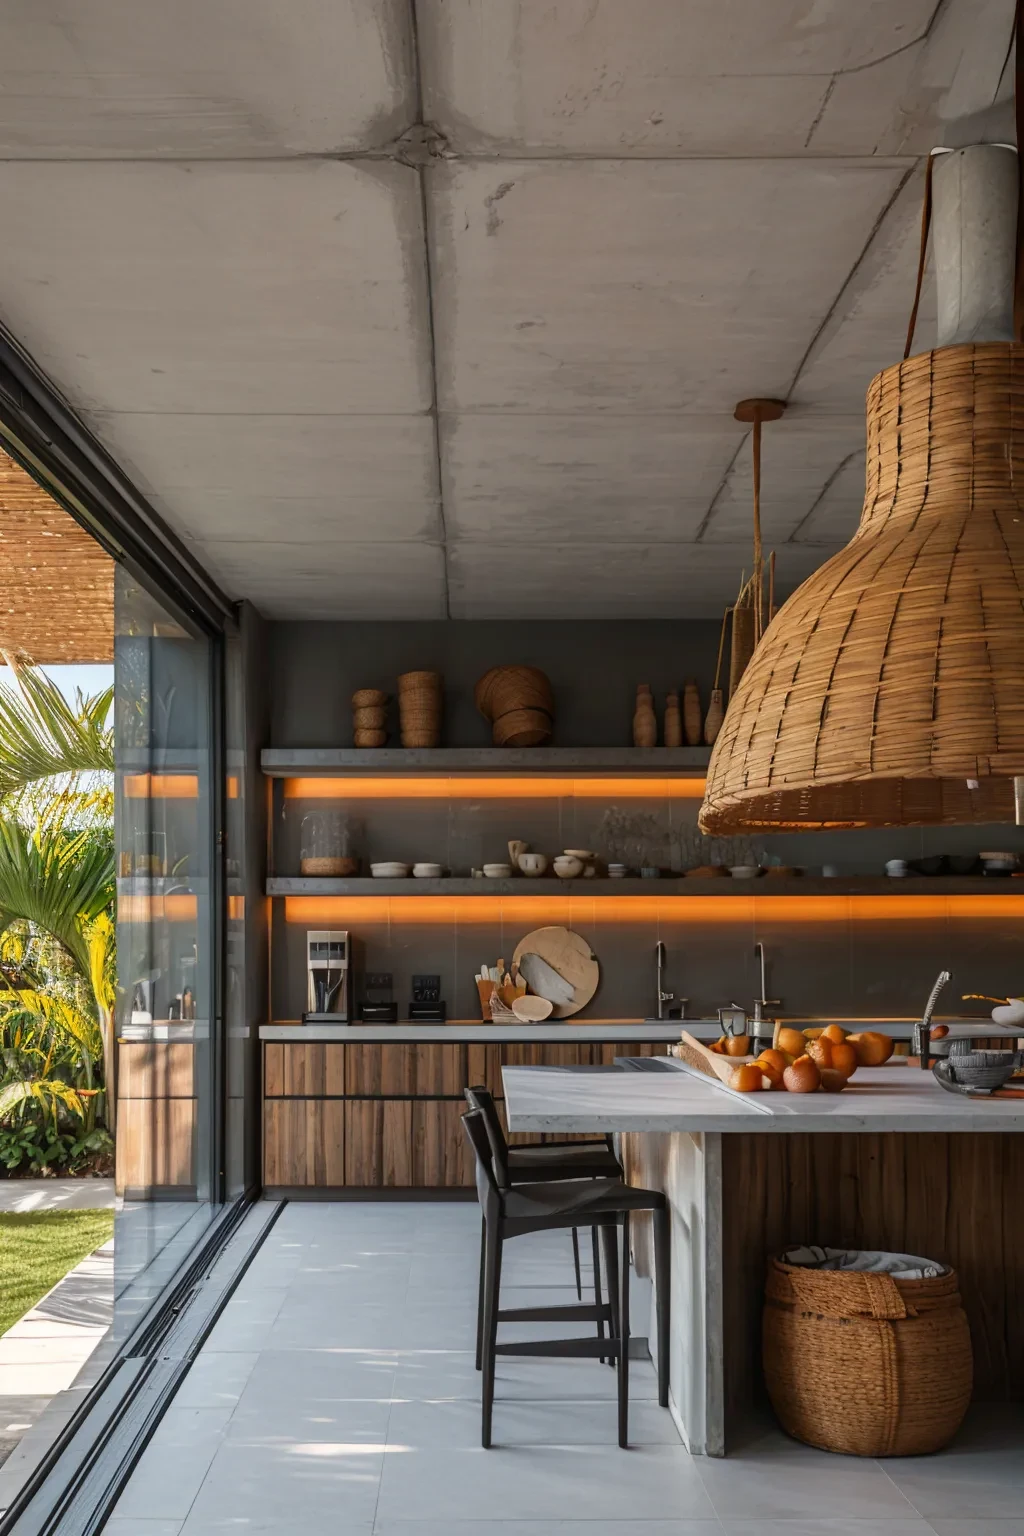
(923, 1027)
(763, 1002)
(663, 996)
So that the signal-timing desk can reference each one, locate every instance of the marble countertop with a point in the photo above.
(889, 1098)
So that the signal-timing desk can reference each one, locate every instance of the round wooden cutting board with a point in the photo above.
(571, 956)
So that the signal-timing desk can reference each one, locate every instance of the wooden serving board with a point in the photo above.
(697, 1055)
(571, 956)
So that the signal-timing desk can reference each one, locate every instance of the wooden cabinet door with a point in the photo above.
(378, 1143)
(303, 1143)
(442, 1157)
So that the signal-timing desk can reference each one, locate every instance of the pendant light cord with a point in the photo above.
(926, 209)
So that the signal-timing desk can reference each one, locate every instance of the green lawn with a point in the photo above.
(37, 1248)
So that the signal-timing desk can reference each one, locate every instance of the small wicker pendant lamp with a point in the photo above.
(889, 689)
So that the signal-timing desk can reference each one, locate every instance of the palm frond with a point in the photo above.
(47, 1092)
(56, 881)
(60, 1017)
(42, 736)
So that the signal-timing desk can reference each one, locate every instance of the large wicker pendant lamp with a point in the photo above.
(889, 689)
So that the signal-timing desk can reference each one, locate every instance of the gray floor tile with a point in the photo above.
(943, 1527)
(825, 1525)
(544, 1483)
(174, 1464)
(456, 1423)
(246, 1321)
(216, 1379)
(775, 1479)
(427, 1374)
(312, 1485)
(263, 1420)
(475, 1527)
(119, 1527)
(322, 1376)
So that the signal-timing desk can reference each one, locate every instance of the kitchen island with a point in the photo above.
(894, 1162)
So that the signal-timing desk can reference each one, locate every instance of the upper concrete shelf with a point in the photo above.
(302, 762)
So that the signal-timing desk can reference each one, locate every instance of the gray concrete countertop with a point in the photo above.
(479, 1033)
(889, 1098)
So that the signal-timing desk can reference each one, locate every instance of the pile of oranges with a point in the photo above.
(804, 1061)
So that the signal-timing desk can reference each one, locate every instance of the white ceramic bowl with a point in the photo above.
(567, 868)
(533, 864)
(390, 870)
(427, 871)
(498, 871)
(745, 871)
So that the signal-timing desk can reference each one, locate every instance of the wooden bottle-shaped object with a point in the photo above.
(714, 717)
(691, 713)
(673, 722)
(645, 724)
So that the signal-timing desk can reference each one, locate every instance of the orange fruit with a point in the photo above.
(746, 1079)
(834, 1032)
(939, 1031)
(833, 1081)
(803, 1076)
(791, 1040)
(820, 1051)
(873, 1049)
(844, 1058)
(737, 1045)
(776, 1058)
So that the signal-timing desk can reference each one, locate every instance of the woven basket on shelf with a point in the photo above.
(419, 708)
(519, 703)
(866, 1364)
(893, 676)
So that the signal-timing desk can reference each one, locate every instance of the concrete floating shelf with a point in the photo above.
(307, 885)
(307, 762)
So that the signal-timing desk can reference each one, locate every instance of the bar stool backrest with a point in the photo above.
(475, 1126)
(481, 1099)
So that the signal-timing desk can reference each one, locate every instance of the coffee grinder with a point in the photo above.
(327, 966)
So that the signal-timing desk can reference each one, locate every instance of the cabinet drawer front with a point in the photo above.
(310, 1070)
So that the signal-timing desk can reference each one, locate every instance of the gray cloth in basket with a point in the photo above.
(903, 1266)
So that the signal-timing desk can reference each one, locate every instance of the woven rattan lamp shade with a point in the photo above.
(895, 674)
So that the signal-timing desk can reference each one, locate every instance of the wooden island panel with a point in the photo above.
(304, 1143)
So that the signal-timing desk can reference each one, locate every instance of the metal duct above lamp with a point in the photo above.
(889, 689)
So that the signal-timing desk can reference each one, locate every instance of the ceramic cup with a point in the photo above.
(895, 868)
(568, 869)
(533, 864)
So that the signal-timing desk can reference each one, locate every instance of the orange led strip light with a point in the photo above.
(494, 787)
(783, 910)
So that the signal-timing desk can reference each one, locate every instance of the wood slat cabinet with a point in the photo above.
(350, 1117)
(155, 1118)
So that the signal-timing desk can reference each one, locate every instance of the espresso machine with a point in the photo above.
(327, 977)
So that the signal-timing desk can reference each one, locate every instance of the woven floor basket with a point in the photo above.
(893, 675)
(865, 1364)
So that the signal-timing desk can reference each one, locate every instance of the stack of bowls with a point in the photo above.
(519, 703)
(369, 717)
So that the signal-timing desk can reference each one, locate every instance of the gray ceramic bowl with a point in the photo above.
(983, 1069)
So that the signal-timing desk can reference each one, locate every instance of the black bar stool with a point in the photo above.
(538, 1165)
(543, 1207)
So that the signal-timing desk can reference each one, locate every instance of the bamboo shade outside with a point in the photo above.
(56, 583)
(895, 674)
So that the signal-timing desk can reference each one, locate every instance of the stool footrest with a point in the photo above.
(585, 1312)
(583, 1349)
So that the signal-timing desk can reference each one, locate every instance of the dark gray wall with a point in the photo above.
(594, 669)
(832, 967)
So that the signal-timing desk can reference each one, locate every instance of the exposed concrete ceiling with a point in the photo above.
(408, 310)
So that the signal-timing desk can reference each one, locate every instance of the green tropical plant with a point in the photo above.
(57, 934)
(43, 737)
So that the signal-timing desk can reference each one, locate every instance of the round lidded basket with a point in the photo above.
(326, 845)
(866, 1363)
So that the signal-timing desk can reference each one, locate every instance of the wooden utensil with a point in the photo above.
(570, 956)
